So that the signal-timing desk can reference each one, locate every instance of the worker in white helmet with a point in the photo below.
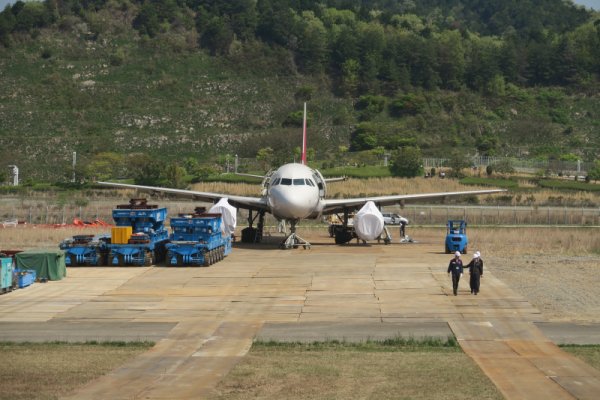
(475, 272)
(456, 269)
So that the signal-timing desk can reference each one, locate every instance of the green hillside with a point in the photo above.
(179, 85)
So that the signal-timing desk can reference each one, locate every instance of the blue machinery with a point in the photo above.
(146, 245)
(141, 238)
(456, 236)
(197, 240)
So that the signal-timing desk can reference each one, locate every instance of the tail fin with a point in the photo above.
(303, 158)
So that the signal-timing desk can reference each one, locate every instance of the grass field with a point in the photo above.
(35, 371)
(356, 371)
(332, 370)
(588, 353)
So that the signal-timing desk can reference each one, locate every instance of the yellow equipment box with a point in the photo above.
(121, 234)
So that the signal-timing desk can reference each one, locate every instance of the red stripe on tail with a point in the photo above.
(303, 158)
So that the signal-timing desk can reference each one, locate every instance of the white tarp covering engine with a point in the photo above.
(368, 222)
(228, 215)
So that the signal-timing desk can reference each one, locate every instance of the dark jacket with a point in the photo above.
(455, 266)
(475, 266)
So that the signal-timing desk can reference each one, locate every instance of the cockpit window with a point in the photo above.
(276, 182)
(299, 182)
(309, 182)
(286, 181)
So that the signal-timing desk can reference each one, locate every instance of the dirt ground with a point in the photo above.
(556, 270)
(564, 288)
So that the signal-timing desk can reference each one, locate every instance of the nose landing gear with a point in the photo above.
(293, 241)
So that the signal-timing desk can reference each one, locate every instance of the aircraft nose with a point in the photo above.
(291, 205)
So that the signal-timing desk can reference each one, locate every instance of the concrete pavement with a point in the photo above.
(208, 317)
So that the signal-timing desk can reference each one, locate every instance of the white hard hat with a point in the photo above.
(457, 254)
(477, 254)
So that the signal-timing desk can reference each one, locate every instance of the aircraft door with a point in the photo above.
(320, 181)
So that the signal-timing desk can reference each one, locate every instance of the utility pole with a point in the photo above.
(15, 174)
(74, 162)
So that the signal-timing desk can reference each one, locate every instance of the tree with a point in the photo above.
(310, 153)
(217, 36)
(104, 166)
(408, 104)
(594, 173)
(191, 165)
(408, 163)
(364, 137)
(147, 21)
(349, 82)
(146, 170)
(312, 44)
(369, 106)
(457, 163)
(174, 175)
(451, 54)
(265, 156)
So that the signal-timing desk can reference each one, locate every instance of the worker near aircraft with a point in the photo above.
(456, 269)
(476, 272)
(403, 223)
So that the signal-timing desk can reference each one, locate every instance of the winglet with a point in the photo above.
(303, 158)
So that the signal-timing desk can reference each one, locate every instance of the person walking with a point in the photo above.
(403, 223)
(456, 269)
(475, 272)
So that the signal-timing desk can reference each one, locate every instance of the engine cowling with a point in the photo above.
(368, 222)
(228, 215)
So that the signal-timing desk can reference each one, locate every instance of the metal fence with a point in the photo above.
(498, 215)
(519, 164)
(418, 215)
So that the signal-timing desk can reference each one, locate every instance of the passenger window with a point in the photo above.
(286, 181)
(299, 182)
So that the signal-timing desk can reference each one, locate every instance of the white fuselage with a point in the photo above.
(293, 192)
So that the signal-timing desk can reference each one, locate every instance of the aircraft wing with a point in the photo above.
(251, 175)
(244, 202)
(338, 205)
(336, 179)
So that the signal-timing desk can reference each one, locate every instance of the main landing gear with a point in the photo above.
(293, 241)
(251, 234)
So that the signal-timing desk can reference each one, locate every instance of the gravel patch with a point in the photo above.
(563, 288)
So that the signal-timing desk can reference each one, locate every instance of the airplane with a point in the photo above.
(294, 192)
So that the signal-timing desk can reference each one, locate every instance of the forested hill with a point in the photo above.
(133, 85)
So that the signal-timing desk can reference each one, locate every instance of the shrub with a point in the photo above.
(407, 163)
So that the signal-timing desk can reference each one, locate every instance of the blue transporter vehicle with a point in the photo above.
(456, 236)
(146, 245)
(197, 240)
(85, 250)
